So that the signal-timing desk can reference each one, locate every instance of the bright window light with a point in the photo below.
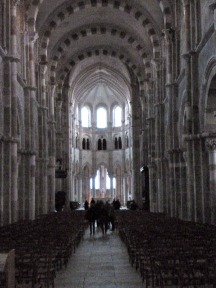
(101, 117)
(117, 116)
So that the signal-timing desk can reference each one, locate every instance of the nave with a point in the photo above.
(99, 262)
(146, 250)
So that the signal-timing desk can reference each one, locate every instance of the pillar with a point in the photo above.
(9, 169)
(30, 129)
(50, 205)
(136, 122)
(42, 161)
(211, 146)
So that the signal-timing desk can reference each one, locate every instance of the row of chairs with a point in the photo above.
(42, 246)
(169, 252)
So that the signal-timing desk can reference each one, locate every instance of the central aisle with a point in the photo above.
(99, 261)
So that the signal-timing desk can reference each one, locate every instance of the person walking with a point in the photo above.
(104, 219)
(91, 217)
(86, 205)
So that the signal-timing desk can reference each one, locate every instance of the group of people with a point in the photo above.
(101, 214)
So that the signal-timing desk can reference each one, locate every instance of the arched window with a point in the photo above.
(85, 117)
(88, 144)
(102, 144)
(117, 116)
(99, 144)
(101, 117)
(118, 143)
(85, 144)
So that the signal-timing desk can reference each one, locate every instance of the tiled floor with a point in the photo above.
(99, 262)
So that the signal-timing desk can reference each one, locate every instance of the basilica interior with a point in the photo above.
(108, 99)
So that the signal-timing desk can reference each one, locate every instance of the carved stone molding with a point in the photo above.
(186, 2)
(211, 144)
(43, 68)
(169, 35)
(33, 37)
(27, 152)
(15, 2)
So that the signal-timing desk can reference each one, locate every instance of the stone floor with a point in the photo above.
(99, 261)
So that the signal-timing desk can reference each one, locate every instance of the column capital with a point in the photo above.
(43, 68)
(33, 36)
(12, 58)
(211, 144)
(186, 2)
(15, 2)
(169, 35)
(27, 152)
(212, 6)
(30, 88)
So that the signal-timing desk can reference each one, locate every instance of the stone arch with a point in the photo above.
(207, 106)
(32, 14)
(71, 39)
(96, 51)
(167, 12)
(67, 10)
(111, 77)
(210, 107)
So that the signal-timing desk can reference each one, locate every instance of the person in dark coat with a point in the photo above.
(104, 219)
(133, 205)
(86, 205)
(92, 201)
(91, 217)
(116, 204)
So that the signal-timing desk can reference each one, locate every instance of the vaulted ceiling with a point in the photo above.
(124, 32)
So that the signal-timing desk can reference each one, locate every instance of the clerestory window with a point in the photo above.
(101, 117)
(85, 117)
(117, 116)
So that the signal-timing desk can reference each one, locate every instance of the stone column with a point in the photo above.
(80, 189)
(189, 114)
(1, 181)
(170, 191)
(42, 163)
(118, 187)
(158, 133)
(136, 122)
(9, 195)
(14, 160)
(59, 127)
(111, 186)
(211, 146)
(93, 187)
(30, 144)
(51, 153)
(153, 197)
